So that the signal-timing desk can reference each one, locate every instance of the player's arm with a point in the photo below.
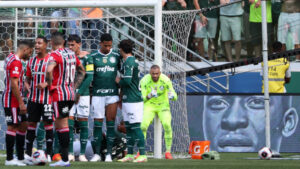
(171, 93)
(27, 79)
(16, 92)
(288, 75)
(126, 79)
(144, 89)
(89, 74)
(49, 72)
(80, 73)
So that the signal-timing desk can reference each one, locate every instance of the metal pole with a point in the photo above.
(16, 31)
(158, 61)
(266, 77)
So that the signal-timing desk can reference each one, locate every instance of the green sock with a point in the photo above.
(110, 135)
(56, 143)
(129, 138)
(136, 127)
(71, 135)
(40, 136)
(84, 133)
(168, 136)
(97, 136)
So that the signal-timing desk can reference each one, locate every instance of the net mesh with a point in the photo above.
(136, 24)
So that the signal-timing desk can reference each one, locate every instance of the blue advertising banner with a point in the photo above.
(236, 123)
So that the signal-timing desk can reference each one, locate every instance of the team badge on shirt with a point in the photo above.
(104, 60)
(16, 71)
(112, 59)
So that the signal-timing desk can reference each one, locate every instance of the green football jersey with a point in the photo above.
(105, 72)
(85, 61)
(130, 81)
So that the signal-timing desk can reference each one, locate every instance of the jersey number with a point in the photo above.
(47, 108)
(70, 73)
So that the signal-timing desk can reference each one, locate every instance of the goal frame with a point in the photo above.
(156, 4)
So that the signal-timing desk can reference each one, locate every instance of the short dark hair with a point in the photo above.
(277, 46)
(155, 67)
(42, 37)
(25, 43)
(106, 37)
(57, 38)
(74, 37)
(126, 45)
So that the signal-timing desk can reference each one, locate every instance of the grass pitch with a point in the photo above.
(227, 161)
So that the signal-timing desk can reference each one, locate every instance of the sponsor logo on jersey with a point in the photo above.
(112, 60)
(105, 69)
(65, 110)
(105, 91)
(8, 119)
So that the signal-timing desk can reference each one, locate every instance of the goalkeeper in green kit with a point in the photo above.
(157, 89)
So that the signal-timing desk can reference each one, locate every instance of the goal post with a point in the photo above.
(156, 4)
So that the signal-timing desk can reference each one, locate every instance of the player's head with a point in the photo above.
(40, 46)
(74, 43)
(105, 43)
(236, 123)
(126, 46)
(25, 49)
(277, 46)
(57, 39)
(155, 72)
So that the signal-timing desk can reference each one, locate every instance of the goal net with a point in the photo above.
(132, 23)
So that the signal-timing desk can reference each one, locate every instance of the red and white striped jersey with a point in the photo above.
(36, 72)
(13, 68)
(62, 88)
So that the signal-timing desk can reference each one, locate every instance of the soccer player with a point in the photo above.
(105, 94)
(132, 102)
(62, 67)
(14, 107)
(39, 104)
(82, 108)
(157, 89)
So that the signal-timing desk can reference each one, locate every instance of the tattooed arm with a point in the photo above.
(80, 75)
(49, 73)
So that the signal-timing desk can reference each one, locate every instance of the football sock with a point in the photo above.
(168, 136)
(56, 143)
(110, 135)
(10, 141)
(136, 127)
(129, 138)
(63, 136)
(30, 136)
(40, 136)
(71, 128)
(49, 139)
(20, 142)
(97, 136)
(84, 133)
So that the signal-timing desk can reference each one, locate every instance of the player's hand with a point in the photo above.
(23, 109)
(77, 97)
(153, 93)
(117, 79)
(170, 95)
(42, 85)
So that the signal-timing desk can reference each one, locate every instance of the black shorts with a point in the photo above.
(12, 116)
(62, 108)
(37, 110)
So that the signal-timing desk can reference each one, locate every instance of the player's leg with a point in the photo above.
(83, 112)
(166, 118)
(98, 108)
(48, 118)
(110, 112)
(148, 116)
(71, 132)
(61, 110)
(40, 135)
(20, 137)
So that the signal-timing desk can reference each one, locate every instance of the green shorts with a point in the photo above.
(231, 28)
(206, 31)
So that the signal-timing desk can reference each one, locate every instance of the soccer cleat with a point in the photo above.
(14, 162)
(95, 158)
(82, 158)
(71, 157)
(137, 155)
(60, 163)
(108, 158)
(168, 155)
(56, 157)
(141, 159)
(127, 158)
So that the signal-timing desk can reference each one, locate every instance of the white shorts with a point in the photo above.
(82, 109)
(99, 103)
(133, 112)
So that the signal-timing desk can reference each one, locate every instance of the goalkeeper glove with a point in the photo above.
(170, 95)
(153, 93)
